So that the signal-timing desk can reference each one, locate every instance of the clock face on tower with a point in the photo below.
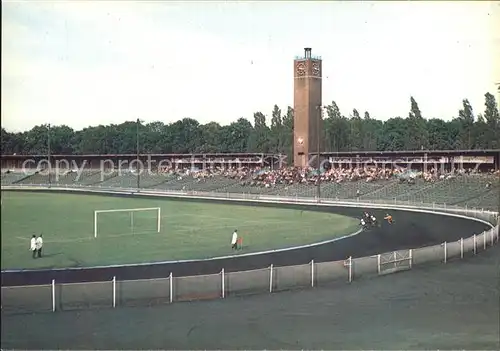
(315, 69)
(301, 69)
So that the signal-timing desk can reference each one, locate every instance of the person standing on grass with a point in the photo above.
(234, 240)
(39, 244)
(33, 246)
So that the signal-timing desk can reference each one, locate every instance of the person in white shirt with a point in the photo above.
(33, 246)
(38, 245)
(234, 240)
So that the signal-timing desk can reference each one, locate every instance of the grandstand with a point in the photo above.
(468, 189)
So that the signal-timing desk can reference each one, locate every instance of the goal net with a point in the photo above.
(127, 221)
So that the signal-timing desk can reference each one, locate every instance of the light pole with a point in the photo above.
(138, 122)
(318, 154)
(498, 169)
(48, 152)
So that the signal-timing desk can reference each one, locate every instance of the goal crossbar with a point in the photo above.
(131, 210)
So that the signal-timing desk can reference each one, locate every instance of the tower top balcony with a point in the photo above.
(307, 55)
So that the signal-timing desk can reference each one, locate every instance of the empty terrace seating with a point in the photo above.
(176, 183)
(294, 190)
(67, 178)
(12, 177)
(452, 190)
(350, 189)
(34, 179)
(95, 177)
(249, 187)
(152, 180)
(488, 200)
(210, 184)
(393, 189)
(116, 180)
(146, 180)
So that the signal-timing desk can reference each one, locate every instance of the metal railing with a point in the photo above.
(116, 293)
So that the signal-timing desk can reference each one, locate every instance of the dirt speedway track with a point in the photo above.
(436, 306)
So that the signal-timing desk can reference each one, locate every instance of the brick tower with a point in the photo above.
(308, 124)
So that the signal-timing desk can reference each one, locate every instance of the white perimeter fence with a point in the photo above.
(115, 293)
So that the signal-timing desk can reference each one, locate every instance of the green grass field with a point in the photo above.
(189, 230)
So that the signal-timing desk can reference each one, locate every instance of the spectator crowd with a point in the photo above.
(267, 177)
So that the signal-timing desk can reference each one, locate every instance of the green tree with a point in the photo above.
(210, 138)
(491, 115)
(394, 135)
(442, 135)
(340, 134)
(277, 135)
(465, 122)
(259, 138)
(237, 135)
(356, 136)
(288, 133)
(12, 143)
(481, 133)
(36, 140)
(186, 135)
(416, 131)
(337, 129)
(371, 131)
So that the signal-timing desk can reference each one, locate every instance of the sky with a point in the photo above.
(88, 63)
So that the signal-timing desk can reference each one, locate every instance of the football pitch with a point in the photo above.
(189, 229)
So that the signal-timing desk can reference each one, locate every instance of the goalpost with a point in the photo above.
(157, 210)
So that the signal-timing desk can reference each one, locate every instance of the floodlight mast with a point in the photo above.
(137, 168)
(48, 154)
(318, 153)
(498, 169)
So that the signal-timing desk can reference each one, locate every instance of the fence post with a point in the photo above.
(378, 263)
(492, 237)
(171, 283)
(350, 268)
(223, 284)
(461, 247)
(114, 291)
(445, 252)
(475, 244)
(271, 278)
(53, 295)
(312, 273)
(411, 258)
(484, 240)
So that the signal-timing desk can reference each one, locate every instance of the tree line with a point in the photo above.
(356, 132)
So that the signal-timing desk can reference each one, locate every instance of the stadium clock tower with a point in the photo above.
(307, 119)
